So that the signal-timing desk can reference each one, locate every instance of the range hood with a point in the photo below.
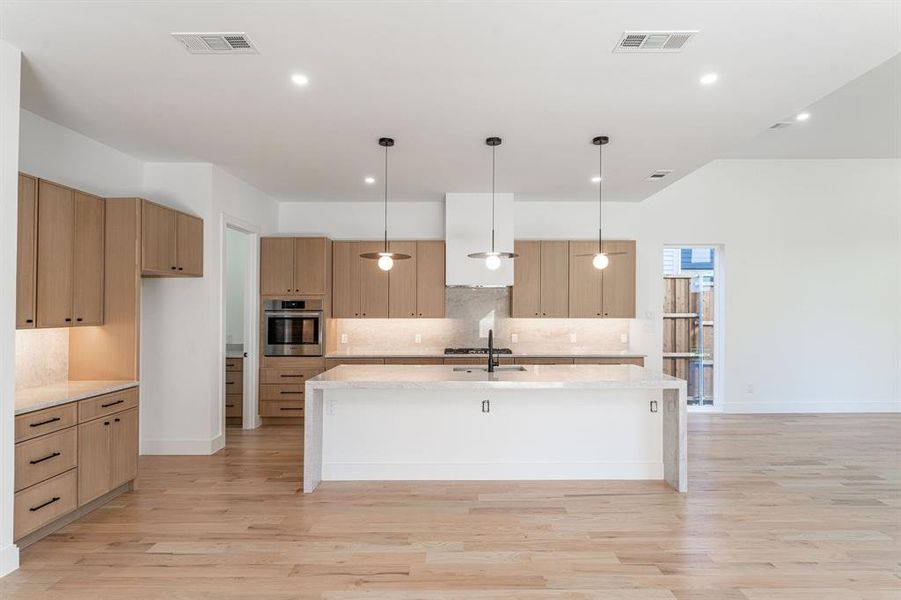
(467, 229)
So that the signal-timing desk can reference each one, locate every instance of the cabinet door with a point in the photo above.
(584, 282)
(430, 279)
(158, 231)
(276, 266)
(94, 464)
(26, 244)
(123, 447)
(619, 281)
(555, 279)
(345, 280)
(402, 282)
(56, 245)
(373, 283)
(89, 239)
(527, 280)
(310, 266)
(189, 245)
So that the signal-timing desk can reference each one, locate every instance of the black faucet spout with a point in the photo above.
(491, 351)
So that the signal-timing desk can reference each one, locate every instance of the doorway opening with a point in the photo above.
(239, 329)
(692, 321)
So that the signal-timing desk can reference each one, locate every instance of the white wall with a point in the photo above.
(236, 250)
(10, 63)
(363, 220)
(812, 270)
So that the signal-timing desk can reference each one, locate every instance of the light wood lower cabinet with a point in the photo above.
(68, 455)
(282, 383)
(107, 454)
(234, 391)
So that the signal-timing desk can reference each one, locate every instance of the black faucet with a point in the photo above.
(491, 361)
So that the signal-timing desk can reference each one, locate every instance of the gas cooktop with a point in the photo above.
(483, 350)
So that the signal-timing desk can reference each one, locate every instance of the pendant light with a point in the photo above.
(492, 258)
(600, 259)
(386, 259)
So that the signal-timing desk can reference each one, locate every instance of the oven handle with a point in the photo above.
(301, 314)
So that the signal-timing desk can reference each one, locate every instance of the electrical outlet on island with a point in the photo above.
(572, 338)
(417, 339)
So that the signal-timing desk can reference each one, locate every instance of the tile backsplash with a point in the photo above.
(42, 357)
(471, 312)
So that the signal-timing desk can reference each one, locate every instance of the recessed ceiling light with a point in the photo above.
(300, 79)
(370, 180)
(803, 116)
(709, 79)
(596, 179)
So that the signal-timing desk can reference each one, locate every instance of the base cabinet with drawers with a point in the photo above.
(68, 456)
(234, 391)
(282, 382)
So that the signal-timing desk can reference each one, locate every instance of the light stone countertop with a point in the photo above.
(534, 377)
(441, 354)
(46, 396)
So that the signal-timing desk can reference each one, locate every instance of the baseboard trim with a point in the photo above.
(183, 447)
(866, 406)
(9, 559)
(491, 471)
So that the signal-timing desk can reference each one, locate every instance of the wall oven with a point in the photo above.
(293, 327)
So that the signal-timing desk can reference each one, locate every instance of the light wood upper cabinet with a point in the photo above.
(555, 279)
(373, 283)
(171, 242)
(402, 282)
(541, 279)
(527, 279)
(87, 298)
(26, 254)
(430, 279)
(158, 237)
(189, 245)
(276, 266)
(618, 281)
(311, 266)
(56, 245)
(294, 266)
(345, 280)
(584, 281)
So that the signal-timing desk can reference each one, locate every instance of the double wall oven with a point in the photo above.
(293, 327)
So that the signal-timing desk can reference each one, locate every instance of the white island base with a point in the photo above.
(564, 422)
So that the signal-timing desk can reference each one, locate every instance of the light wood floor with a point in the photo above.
(781, 507)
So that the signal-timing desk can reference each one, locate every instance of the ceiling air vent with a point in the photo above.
(660, 174)
(216, 43)
(653, 41)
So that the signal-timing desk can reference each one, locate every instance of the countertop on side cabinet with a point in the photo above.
(45, 396)
(440, 354)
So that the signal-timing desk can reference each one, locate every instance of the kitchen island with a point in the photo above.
(440, 422)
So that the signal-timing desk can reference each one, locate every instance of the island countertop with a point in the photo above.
(532, 377)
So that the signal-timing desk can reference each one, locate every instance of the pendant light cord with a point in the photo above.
(493, 148)
(600, 194)
(386, 198)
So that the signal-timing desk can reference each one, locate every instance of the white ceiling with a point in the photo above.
(440, 77)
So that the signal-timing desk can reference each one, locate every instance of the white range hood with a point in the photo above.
(467, 229)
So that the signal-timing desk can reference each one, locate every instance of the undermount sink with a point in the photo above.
(496, 369)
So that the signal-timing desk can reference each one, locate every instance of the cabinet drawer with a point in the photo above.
(46, 457)
(234, 405)
(287, 375)
(107, 404)
(234, 365)
(46, 421)
(293, 362)
(281, 408)
(44, 502)
(281, 392)
(234, 383)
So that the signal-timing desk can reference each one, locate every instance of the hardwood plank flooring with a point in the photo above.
(800, 507)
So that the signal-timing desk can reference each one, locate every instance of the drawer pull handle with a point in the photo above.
(47, 422)
(48, 457)
(47, 503)
(290, 392)
(112, 404)
(289, 408)
(229, 406)
(229, 383)
(287, 375)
